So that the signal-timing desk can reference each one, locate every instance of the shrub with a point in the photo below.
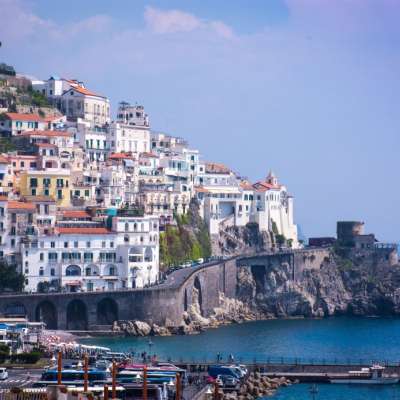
(26, 358)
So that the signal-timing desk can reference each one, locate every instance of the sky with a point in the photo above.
(307, 88)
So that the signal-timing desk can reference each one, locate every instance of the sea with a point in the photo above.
(329, 340)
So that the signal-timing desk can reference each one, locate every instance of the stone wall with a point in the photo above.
(164, 304)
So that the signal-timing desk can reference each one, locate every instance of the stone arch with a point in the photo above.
(198, 291)
(77, 319)
(15, 309)
(107, 311)
(46, 312)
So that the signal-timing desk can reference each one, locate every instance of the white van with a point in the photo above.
(3, 373)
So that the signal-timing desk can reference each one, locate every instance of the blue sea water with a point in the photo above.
(310, 340)
(338, 392)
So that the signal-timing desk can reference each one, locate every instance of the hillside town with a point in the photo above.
(85, 197)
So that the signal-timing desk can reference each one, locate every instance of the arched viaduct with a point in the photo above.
(162, 304)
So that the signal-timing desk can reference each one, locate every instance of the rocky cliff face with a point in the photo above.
(354, 283)
(233, 240)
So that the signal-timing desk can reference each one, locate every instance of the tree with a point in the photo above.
(10, 279)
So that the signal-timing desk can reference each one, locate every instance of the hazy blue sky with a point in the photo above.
(307, 88)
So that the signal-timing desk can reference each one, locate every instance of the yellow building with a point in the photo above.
(49, 183)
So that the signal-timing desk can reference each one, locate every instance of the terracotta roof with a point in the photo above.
(20, 205)
(245, 185)
(200, 189)
(82, 231)
(216, 168)
(148, 155)
(76, 214)
(84, 91)
(51, 118)
(264, 186)
(3, 159)
(47, 133)
(46, 145)
(116, 156)
(21, 157)
(25, 117)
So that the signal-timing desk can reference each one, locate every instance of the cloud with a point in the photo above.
(170, 21)
(173, 21)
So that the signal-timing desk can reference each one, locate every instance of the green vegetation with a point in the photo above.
(26, 358)
(188, 240)
(4, 352)
(38, 99)
(6, 145)
(10, 279)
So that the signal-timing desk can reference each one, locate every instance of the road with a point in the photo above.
(20, 378)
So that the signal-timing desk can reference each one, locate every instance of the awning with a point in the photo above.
(74, 283)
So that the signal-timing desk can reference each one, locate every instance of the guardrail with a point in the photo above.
(284, 361)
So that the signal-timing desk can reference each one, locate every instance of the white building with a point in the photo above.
(82, 256)
(226, 201)
(130, 133)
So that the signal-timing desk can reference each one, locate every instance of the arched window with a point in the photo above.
(126, 239)
(135, 226)
(73, 270)
(41, 271)
(126, 227)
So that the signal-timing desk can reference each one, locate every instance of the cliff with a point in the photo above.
(186, 241)
(345, 282)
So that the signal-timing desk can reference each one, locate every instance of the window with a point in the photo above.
(41, 271)
(52, 271)
(111, 244)
(76, 244)
(46, 182)
(88, 244)
(126, 227)
(41, 256)
(53, 257)
(103, 244)
(59, 194)
(65, 245)
(52, 245)
(33, 191)
(33, 182)
(87, 257)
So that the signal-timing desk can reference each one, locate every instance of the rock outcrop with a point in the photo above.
(256, 386)
(358, 284)
(229, 311)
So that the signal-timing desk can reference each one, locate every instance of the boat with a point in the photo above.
(366, 376)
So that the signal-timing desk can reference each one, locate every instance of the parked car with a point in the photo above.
(228, 381)
(215, 370)
(3, 373)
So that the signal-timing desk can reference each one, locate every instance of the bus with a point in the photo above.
(73, 377)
